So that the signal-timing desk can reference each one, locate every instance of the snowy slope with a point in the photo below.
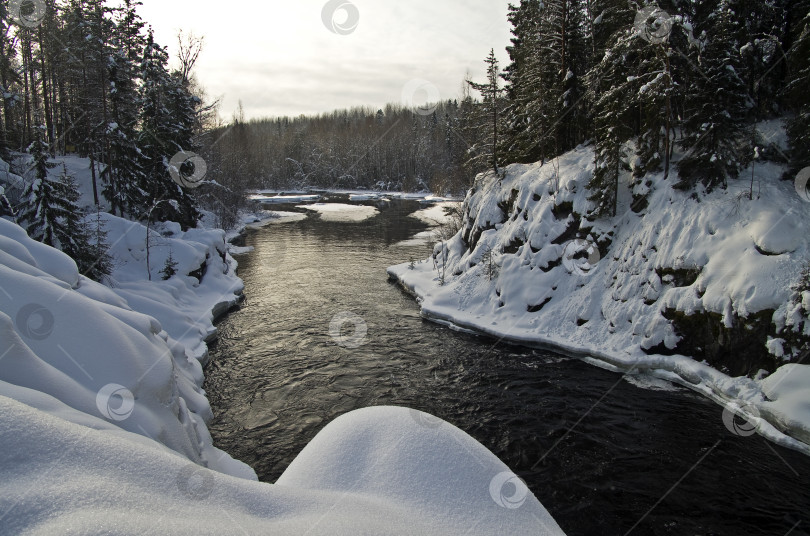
(80, 342)
(625, 292)
(185, 305)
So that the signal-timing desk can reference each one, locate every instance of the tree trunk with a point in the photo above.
(45, 93)
(93, 175)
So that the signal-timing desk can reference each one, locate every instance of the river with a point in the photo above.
(606, 454)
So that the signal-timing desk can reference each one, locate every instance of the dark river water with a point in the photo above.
(604, 456)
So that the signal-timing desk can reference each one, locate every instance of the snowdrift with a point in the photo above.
(696, 288)
(375, 471)
(82, 343)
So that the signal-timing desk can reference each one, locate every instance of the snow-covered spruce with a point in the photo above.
(695, 288)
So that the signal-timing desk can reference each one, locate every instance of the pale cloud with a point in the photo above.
(280, 59)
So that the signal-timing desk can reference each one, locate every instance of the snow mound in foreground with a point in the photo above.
(375, 471)
(630, 291)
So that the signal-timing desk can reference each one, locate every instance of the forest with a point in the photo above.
(675, 86)
(85, 77)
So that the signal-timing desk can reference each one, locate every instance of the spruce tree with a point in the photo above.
(798, 127)
(166, 129)
(490, 110)
(91, 46)
(169, 269)
(614, 101)
(124, 178)
(716, 107)
(605, 18)
(761, 29)
(50, 213)
(71, 233)
(560, 102)
(6, 210)
(76, 237)
(95, 261)
(42, 207)
(634, 91)
(523, 79)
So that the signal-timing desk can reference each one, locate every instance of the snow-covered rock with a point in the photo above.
(340, 212)
(186, 305)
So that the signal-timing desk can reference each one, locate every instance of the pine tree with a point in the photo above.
(7, 75)
(90, 45)
(716, 108)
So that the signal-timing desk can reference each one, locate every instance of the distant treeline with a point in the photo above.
(395, 148)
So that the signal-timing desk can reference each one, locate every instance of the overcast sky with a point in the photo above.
(290, 57)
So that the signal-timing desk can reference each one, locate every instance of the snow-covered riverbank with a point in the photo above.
(624, 292)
